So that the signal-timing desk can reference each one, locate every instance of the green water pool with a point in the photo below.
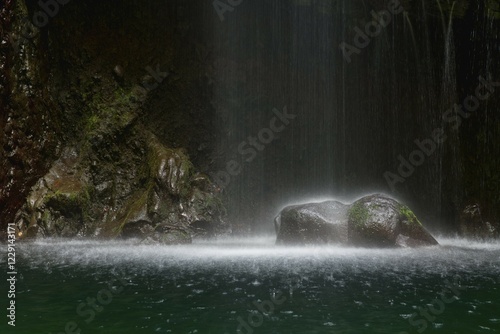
(252, 286)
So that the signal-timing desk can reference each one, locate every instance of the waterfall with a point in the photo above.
(354, 120)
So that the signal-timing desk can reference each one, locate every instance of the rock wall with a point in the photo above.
(106, 132)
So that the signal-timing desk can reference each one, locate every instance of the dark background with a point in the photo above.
(225, 77)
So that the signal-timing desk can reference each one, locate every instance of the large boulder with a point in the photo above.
(380, 221)
(312, 223)
(372, 221)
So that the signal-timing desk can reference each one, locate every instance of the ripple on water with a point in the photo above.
(188, 288)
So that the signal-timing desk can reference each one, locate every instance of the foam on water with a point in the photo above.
(253, 251)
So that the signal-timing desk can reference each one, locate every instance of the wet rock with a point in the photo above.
(146, 233)
(141, 229)
(152, 194)
(118, 73)
(372, 221)
(380, 221)
(171, 235)
(171, 168)
(58, 202)
(312, 223)
(473, 225)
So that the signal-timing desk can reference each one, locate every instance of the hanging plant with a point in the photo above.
(493, 9)
(456, 8)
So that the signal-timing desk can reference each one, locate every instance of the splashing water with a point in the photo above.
(253, 285)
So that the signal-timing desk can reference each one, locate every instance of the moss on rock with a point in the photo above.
(358, 214)
(380, 221)
(409, 216)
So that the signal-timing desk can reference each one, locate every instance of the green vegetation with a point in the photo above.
(133, 208)
(65, 210)
(114, 112)
(359, 214)
(68, 201)
(409, 215)
(445, 8)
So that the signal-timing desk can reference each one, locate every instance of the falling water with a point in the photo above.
(353, 118)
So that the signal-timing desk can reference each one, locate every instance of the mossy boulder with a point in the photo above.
(380, 221)
(312, 223)
(372, 221)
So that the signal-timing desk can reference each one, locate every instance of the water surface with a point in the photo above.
(256, 287)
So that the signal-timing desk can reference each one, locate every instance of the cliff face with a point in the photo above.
(30, 119)
(360, 120)
(104, 130)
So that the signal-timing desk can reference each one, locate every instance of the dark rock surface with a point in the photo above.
(312, 223)
(473, 225)
(151, 195)
(372, 221)
(380, 221)
(103, 128)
